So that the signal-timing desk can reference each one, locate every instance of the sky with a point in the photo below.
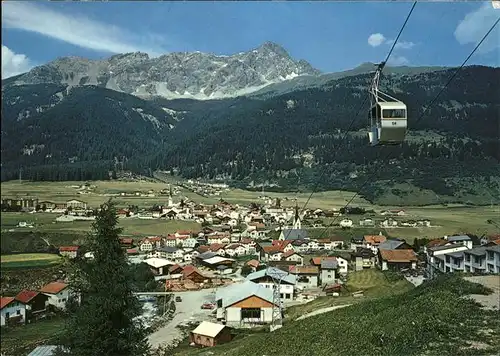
(332, 36)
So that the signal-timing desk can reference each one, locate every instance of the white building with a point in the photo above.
(10, 308)
(264, 278)
(58, 294)
(493, 259)
(244, 304)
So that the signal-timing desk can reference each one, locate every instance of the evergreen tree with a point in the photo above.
(104, 324)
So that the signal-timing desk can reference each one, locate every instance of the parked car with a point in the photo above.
(207, 306)
(178, 299)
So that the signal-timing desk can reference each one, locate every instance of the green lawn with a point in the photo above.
(29, 260)
(45, 222)
(20, 341)
(372, 282)
(432, 319)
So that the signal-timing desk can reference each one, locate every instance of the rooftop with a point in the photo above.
(270, 271)
(236, 292)
(209, 329)
(398, 255)
(53, 287)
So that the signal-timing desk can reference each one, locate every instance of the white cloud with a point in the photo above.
(401, 44)
(395, 60)
(13, 63)
(475, 25)
(77, 30)
(376, 39)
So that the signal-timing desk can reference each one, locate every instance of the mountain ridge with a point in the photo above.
(175, 75)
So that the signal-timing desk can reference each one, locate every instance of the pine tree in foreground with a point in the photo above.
(104, 324)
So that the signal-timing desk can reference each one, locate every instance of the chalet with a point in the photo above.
(209, 334)
(58, 293)
(342, 264)
(283, 245)
(373, 241)
(328, 269)
(363, 258)
(244, 304)
(307, 276)
(35, 303)
(235, 250)
(12, 311)
(397, 259)
(69, 251)
(192, 273)
(264, 278)
(293, 256)
(218, 248)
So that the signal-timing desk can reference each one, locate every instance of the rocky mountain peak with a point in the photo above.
(195, 75)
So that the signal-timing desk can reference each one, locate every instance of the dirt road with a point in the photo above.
(321, 311)
(187, 310)
(491, 301)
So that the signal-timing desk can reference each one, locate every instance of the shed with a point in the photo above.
(209, 334)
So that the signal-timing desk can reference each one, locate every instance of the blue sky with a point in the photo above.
(332, 36)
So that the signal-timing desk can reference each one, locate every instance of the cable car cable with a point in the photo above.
(421, 116)
(357, 113)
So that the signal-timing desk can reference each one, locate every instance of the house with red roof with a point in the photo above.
(34, 301)
(11, 311)
(69, 251)
(58, 293)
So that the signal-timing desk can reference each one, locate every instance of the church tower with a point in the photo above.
(170, 200)
(296, 220)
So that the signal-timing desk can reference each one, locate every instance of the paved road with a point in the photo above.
(491, 301)
(189, 310)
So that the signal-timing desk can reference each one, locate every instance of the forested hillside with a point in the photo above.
(290, 140)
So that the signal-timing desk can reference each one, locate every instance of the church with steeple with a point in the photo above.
(296, 219)
(296, 232)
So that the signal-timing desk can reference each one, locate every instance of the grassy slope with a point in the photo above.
(22, 340)
(428, 320)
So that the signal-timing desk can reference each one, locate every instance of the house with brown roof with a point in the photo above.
(363, 258)
(12, 311)
(397, 259)
(373, 241)
(293, 256)
(34, 301)
(307, 276)
(192, 273)
(58, 293)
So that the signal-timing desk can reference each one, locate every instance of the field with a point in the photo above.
(446, 220)
(45, 222)
(29, 260)
(22, 340)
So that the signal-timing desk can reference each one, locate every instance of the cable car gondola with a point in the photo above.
(387, 115)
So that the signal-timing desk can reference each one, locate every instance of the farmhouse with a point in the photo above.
(58, 294)
(244, 304)
(35, 302)
(12, 311)
(69, 251)
(397, 259)
(209, 334)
